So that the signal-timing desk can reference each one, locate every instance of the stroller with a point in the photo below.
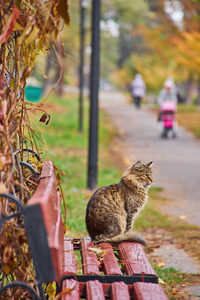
(168, 119)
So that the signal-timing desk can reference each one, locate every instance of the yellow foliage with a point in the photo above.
(121, 78)
(188, 47)
(51, 290)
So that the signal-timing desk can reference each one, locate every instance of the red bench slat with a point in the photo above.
(89, 258)
(94, 290)
(72, 290)
(49, 199)
(119, 291)
(150, 291)
(56, 245)
(110, 264)
(46, 196)
(135, 260)
(69, 266)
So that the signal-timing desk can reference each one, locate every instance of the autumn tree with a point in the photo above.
(170, 42)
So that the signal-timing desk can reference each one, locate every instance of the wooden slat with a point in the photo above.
(89, 258)
(46, 196)
(94, 290)
(148, 291)
(119, 291)
(56, 245)
(110, 264)
(69, 266)
(49, 199)
(71, 287)
(135, 260)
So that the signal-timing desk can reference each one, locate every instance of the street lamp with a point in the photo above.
(94, 90)
(83, 5)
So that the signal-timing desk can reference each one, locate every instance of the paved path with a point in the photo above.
(176, 161)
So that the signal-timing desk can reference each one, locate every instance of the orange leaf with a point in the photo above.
(63, 11)
(64, 292)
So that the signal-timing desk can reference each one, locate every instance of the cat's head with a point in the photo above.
(140, 174)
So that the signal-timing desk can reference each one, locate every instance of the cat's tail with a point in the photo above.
(129, 236)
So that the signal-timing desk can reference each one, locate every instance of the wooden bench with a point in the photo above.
(122, 272)
(107, 272)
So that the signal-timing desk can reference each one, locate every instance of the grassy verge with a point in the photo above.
(161, 230)
(189, 117)
(68, 150)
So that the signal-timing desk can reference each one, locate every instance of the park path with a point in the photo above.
(176, 161)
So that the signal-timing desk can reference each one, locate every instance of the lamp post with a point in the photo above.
(83, 5)
(94, 90)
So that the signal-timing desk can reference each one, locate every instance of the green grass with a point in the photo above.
(188, 108)
(150, 217)
(169, 275)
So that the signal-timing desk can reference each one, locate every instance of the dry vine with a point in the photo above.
(26, 28)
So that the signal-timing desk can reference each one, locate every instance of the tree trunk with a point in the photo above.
(189, 89)
(198, 92)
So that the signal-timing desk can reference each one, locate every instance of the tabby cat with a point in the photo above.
(112, 209)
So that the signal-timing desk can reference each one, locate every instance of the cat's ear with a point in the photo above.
(150, 164)
(138, 166)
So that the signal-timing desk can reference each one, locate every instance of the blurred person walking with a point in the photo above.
(138, 89)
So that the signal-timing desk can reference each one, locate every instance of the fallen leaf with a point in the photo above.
(96, 250)
(100, 253)
(161, 264)
(127, 161)
(51, 290)
(160, 281)
(174, 292)
(156, 171)
(64, 292)
(182, 217)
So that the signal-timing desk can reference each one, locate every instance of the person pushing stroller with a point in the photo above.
(167, 101)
